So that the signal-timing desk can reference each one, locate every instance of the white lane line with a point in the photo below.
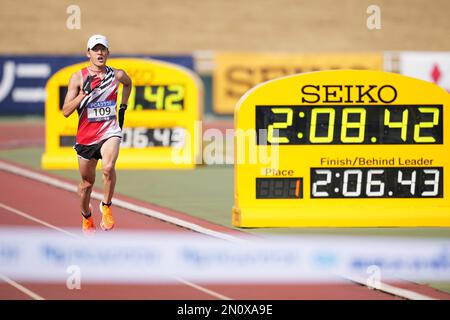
(21, 288)
(32, 218)
(396, 291)
(203, 289)
(119, 203)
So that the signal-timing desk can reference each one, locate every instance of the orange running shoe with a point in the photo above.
(107, 222)
(88, 225)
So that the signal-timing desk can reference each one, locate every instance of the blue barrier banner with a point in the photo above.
(23, 78)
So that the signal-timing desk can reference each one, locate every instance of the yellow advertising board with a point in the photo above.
(236, 73)
(161, 123)
(342, 149)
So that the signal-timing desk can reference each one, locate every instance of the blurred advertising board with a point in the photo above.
(429, 66)
(23, 79)
(236, 73)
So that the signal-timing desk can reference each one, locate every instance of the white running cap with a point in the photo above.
(97, 39)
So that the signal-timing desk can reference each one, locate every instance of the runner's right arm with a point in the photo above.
(74, 95)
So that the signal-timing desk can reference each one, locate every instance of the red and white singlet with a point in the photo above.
(97, 111)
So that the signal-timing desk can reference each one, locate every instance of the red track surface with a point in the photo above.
(60, 208)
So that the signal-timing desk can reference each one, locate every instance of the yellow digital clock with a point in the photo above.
(161, 128)
(342, 148)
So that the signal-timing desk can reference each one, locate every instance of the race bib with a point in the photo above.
(101, 111)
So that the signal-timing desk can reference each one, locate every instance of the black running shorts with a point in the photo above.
(89, 152)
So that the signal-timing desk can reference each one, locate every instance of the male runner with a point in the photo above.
(92, 92)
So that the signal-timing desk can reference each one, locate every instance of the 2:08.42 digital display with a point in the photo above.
(393, 182)
(331, 124)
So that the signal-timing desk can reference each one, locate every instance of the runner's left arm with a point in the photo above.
(126, 82)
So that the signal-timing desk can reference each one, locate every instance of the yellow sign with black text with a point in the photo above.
(161, 123)
(342, 149)
(236, 73)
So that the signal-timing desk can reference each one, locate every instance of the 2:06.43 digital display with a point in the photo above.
(393, 182)
(331, 124)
